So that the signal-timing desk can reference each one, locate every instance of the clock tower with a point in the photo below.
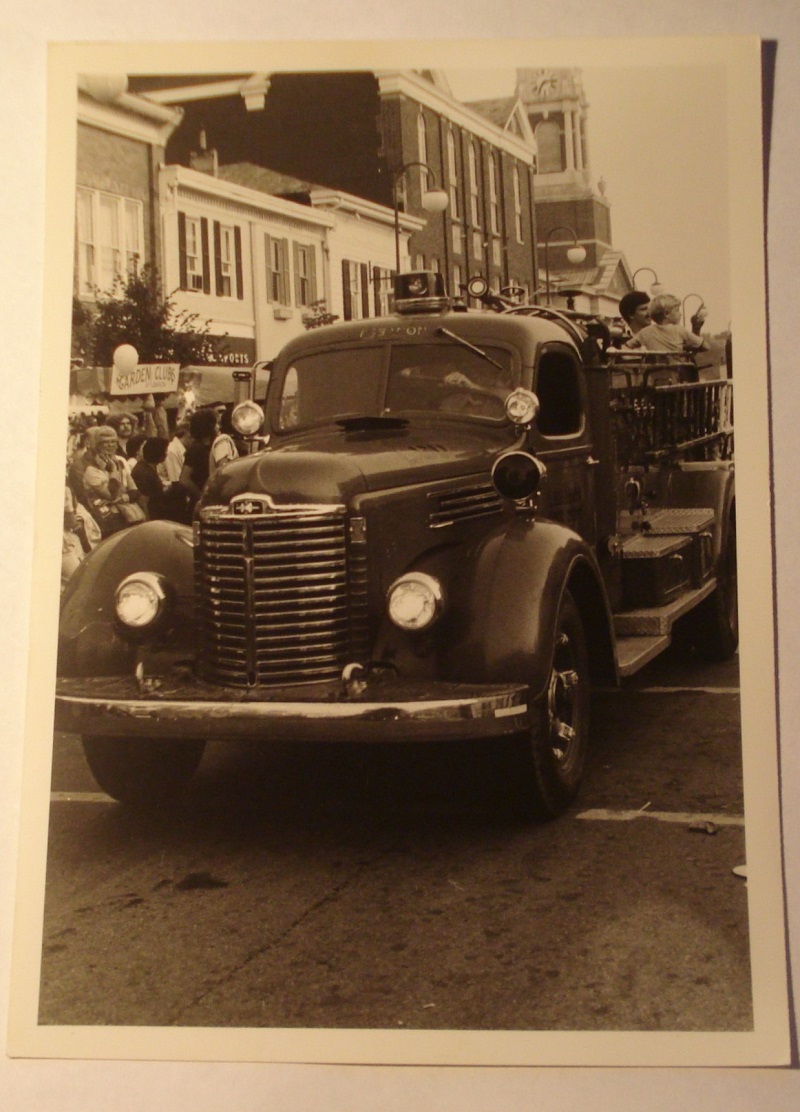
(557, 109)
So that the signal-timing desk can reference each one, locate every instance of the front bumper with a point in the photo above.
(387, 709)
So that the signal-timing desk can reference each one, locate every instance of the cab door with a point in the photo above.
(562, 440)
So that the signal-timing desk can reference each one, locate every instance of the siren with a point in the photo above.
(420, 291)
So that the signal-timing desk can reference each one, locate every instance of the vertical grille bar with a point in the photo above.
(277, 600)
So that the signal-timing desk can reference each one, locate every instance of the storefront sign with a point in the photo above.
(146, 378)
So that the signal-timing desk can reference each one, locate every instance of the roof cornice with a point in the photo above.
(405, 83)
(131, 116)
(182, 178)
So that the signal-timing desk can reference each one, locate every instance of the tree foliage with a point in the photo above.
(136, 311)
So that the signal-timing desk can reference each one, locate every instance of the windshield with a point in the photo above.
(396, 380)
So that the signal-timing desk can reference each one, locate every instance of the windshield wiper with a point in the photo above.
(371, 421)
(470, 347)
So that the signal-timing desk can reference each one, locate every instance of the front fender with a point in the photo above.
(89, 642)
(515, 588)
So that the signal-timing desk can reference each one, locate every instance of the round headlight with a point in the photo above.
(414, 601)
(522, 406)
(140, 599)
(247, 418)
(517, 475)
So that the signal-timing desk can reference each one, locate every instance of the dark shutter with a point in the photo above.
(182, 250)
(312, 274)
(206, 264)
(218, 258)
(237, 243)
(377, 275)
(286, 296)
(268, 258)
(298, 296)
(348, 307)
(364, 290)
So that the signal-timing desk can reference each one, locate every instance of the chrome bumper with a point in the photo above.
(385, 710)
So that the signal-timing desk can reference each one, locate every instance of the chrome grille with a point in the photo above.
(464, 505)
(275, 602)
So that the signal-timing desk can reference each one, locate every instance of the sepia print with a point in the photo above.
(409, 659)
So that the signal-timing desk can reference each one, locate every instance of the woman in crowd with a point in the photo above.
(108, 488)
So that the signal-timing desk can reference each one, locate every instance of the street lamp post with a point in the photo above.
(575, 254)
(702, 305)
(432, 200)
(656, 287)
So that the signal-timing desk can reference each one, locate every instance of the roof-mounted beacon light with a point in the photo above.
(420, 291)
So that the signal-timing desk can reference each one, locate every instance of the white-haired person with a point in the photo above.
(665, 332)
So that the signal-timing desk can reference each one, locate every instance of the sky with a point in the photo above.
(657, 137)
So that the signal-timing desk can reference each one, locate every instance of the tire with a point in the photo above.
(142, 772)
(557, 743)
(714, 624)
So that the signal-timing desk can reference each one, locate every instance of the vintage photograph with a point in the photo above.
(405, 673)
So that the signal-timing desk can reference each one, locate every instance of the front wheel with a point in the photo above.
(142, 772)
(556, 746)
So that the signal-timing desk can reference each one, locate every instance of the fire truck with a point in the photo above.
(453, 525)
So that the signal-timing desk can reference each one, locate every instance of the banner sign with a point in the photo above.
(145, 378)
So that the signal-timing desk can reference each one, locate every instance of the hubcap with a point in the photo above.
(561, 708)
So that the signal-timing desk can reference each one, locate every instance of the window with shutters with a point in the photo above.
(305, 283)
(277, 261)
(194, 257)
(355, 289)
(383, 286)
(226, 262)
(110, 234)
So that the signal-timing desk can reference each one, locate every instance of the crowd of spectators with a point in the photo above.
(128, 468)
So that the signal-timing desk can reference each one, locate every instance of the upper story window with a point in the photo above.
(548, 143)
(110, 237)
(452, 175)
(422, 147)
(193, 253)
(277, 261)
(355, 289)
(517, 205)
(494, 208)
(226, 260)
(305, 274)
(474, 200)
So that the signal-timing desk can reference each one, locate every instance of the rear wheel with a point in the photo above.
(142, 772)
(557, 743)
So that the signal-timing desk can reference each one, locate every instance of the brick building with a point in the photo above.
(355, 132)
(121, 141)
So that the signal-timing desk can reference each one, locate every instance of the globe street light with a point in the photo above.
(575, 254)
(656, 287)
(702, 305)
(432, 200)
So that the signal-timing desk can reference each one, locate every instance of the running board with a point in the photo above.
(634, 652)
(657, 621)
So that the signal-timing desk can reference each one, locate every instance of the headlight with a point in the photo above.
(140, 600)
(522, 406)
(518, 475)
(414, 601)
(247, 418)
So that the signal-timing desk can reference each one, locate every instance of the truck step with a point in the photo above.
(657, 621)
(634, 652)
(679, 521)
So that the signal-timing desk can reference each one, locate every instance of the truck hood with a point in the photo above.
(334, 465)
